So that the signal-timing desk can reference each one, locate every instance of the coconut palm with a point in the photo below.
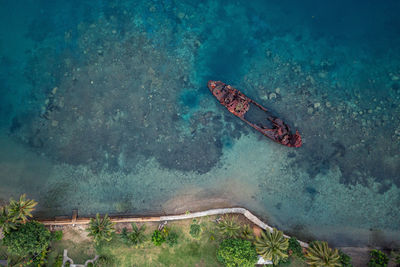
(247, 233)
(21, 210)
(6, 221)
(101, 228)
(320, 255)
(137, 235)
(272, 246)
(228, 228)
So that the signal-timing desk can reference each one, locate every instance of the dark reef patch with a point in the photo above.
(189, 99)
(111, 107)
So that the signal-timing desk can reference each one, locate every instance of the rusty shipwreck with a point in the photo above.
(254, 114)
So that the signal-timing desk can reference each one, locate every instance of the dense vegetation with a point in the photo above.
(27, 242)
(237, 252)
(345, 259)
(378, 259)
(29, 238)
(158, 238)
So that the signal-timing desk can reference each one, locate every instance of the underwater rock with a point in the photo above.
(322, 74)
(272, 96)
(394, 77)
(181, 15)
(310, 79)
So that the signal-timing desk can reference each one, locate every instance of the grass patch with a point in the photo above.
(187, 251)
(294, 261)
(79, 250)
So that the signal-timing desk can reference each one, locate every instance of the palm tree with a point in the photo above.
(137, 235)
(6, 221)
(101, 228)
(272, 246)
(320, 255)
(21, 210)
(229, 228)
(247, 233)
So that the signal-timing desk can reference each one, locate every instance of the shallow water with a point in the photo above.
(104, 108)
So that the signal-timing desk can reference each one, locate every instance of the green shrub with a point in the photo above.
(172, 239)
(378, 259)
(195, 230)
(157, 238)
(345, 259)
(165, 231)
(397, 258)
(237, 252)
(56, 235)
(124, 235)
(105, 261)
(295, 248)
(29, 238)
(59, 261)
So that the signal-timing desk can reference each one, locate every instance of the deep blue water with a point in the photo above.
(104, 107)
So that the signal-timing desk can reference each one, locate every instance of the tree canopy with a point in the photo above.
(237, 252)
(29, 238)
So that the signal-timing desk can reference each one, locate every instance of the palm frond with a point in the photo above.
(21, 209)
(320, 254)
(272, 246)
(229, 228)
(7, 223)
(137, 235)
(247, 233)
(101, 228)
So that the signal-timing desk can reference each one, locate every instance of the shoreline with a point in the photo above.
(74, 220)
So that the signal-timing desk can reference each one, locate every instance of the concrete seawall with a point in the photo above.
(251, 217)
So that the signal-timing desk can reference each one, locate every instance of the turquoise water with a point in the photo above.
(104, 107)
